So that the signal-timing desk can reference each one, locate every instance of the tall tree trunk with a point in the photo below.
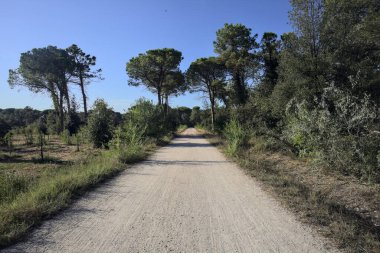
(241, 95)
(83, 95)
(212, 114)
(41, 146)
(57, 102)
(211, 96)
(67, 97)
(166, 104)
(159, 96)
(61, 113)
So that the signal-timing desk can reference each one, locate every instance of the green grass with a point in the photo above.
(24, 205)
(181, 128)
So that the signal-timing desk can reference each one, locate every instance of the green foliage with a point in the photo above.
(195, 117)
(15, 118)
(236, 47)
(208, 75)
(269, 57)
(145, 115)
(130, 141)
(183, 115)
(235, 135)
(73, 122)
(82, 72)
(46, 70)
(158, 70)
(340, 132)
(66, 137)
(100, 124)
(353, 44)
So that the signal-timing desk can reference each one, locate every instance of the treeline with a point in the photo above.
(314, 91)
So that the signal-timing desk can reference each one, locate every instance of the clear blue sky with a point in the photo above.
(114, 31)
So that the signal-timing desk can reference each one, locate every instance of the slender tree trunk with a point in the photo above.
(166, 104)
(212, 114)
(61, 113)
(239, 88)
(212, 104)
(41, 147)
(67, 97)
(83, 96)
(159, 96)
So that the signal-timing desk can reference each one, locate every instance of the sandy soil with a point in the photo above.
(185, 198)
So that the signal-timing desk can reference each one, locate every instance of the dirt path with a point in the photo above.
(186, 198)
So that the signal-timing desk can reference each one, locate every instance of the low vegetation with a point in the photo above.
(34, 187)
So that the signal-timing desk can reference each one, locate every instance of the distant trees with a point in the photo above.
(20, 117)
(158, 70)
(50, 70)
(207, 75)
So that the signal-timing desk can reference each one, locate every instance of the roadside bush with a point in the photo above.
(341, 132)
(12, 185)
(153, 119)
(100, 124)
(235, 135)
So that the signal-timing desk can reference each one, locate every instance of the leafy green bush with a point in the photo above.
(100, 124)
(235, 135)
(341, 132)
(153, 119)
(65, 136)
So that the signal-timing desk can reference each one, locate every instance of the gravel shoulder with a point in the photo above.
(186, 198)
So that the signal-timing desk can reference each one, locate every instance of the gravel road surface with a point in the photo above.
(186, 198)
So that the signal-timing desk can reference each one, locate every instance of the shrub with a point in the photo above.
(153, 119)
(100, 124)
(339, 132)
(65, 136)
(235, 135)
